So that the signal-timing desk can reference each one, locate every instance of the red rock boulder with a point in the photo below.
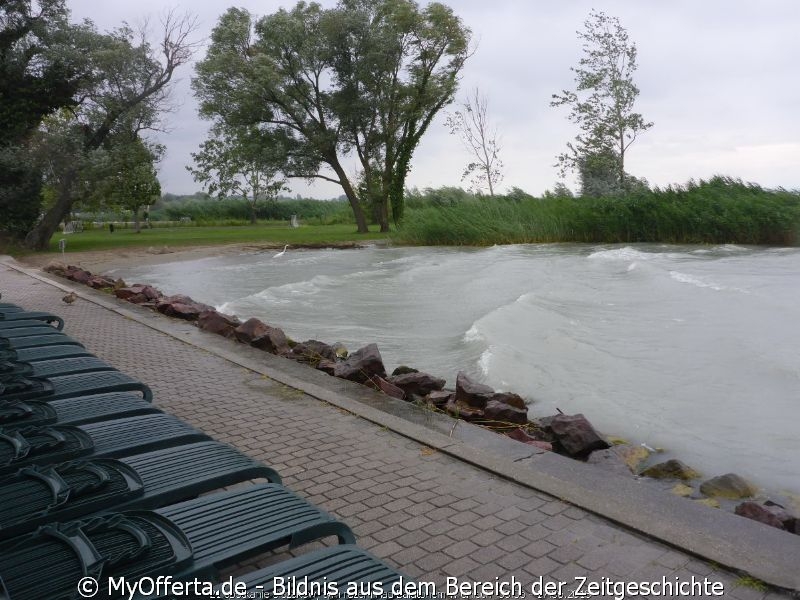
(217, 322)
(361, 365)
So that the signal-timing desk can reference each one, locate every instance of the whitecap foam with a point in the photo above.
(626, 253)
(696, 281)
(731, 248)
(485, 361)
(473, 335)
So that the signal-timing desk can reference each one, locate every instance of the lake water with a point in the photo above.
(694, 349)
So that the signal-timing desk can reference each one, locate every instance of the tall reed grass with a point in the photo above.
(721, 210)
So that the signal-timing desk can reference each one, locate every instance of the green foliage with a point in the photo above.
(132, 181)
(125, 91)
(602, 106)
(40, 71)
(721, 210)
(364, 78)
(242, 161)
(20, 193)
(442, 196)
(237, 210)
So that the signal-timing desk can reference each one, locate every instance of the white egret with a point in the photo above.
(282, 252)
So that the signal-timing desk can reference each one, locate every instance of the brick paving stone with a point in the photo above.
(459, 549)
(460, 566)
(566, 554)
(465, 532)
(487, 538)
(488, 554)
(408, 508)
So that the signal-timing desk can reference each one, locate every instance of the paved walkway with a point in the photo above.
(427, 513)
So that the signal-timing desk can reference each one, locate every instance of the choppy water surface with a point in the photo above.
(690, 348)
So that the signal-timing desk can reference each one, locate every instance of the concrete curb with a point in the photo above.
(740, 544)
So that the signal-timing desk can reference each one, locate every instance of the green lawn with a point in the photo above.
(101, 239)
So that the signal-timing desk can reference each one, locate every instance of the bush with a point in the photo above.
(721, 210)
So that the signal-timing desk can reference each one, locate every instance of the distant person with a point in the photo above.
(111, 228)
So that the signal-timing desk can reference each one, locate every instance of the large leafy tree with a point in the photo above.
(130, 181)
(127, 91)
(240, 161)
(602, 103)
(42, 66)
(119, 174)
(364, 80)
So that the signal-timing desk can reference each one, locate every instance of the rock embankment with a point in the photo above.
(504, 412)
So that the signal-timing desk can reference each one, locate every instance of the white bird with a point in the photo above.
(282, 252)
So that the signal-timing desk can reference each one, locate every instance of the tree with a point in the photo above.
(560, 190)
(240, 161)
(41, 69)
(127, 91)
(602, 103)
(119, 174)
(471, 124)
(131, 181)
(365, 78)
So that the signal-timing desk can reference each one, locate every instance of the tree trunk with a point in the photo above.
(38, 238)
(358, 212)
(253, 213)
(384, 214)
(137, 225)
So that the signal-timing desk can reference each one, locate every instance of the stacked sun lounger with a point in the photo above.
(96, 482)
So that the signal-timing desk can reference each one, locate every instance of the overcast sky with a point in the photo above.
(719, 78)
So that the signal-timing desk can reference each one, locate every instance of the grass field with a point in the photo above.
(209, 236)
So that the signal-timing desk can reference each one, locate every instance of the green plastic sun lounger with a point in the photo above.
(40, 329)
(343, 565)
(34, 496)
(69, 386)
(193, 539)
(48, 352)
(73, 411)
(6, 325)
(52, 368)
(32, 315)
(104, 439)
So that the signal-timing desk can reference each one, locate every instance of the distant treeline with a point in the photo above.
(721, 210)
(203, 209)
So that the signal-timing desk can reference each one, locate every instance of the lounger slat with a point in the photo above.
(117, 438)
(339, 564)
(106, 439)
(38, 353)
(39, 329)
(55, 367)
(74, 411)
(31, 340)
(81, 384)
